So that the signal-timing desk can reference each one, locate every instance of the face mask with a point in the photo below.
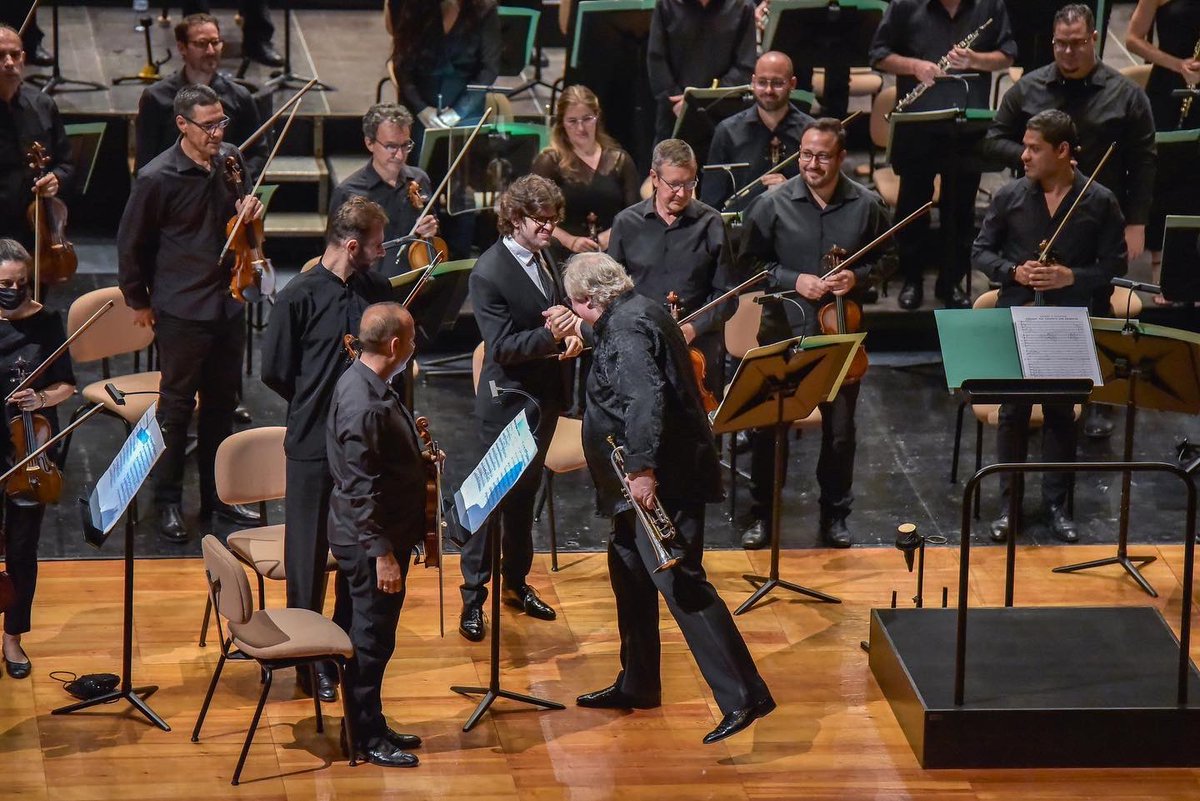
(11, 298)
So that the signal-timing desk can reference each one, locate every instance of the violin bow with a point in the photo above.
(433, 196)
(28, 18)
(60, 350)
(241, 218)
(845, 263)
(737, 290)
(1050, 242)
(741, 193)
(262, 129)
(426, 277)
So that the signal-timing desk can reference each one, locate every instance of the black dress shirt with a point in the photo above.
(402, 216)
(155, 125)
(378, 498)
(31, 117)
(693, 45)
(445, 63)
(788, 233)
(1107, 107)
(690, 257)
(923, 29)
(302, 352)
(1018, 221)
(171, 236)
(745, 137)
(641, 390)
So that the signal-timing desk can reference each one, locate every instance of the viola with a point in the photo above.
(699, 363)
(425, 251)
(54, 259)
(252, 276)
(433, 495)
(842, 316)
(39, 481)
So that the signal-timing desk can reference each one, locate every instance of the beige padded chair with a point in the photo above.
(564, 456)
(251, 468)
(1138, 73)
(275, 638)
(887, 182)
(114, 334)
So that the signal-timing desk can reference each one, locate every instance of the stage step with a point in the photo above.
(294, 224)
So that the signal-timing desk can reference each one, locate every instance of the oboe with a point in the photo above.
(942, 64)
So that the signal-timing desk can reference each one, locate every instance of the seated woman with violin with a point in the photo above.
(30, 334)
(597, 178)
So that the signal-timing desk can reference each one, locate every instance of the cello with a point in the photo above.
(54, 259)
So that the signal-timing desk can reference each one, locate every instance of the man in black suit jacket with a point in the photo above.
(519, 306)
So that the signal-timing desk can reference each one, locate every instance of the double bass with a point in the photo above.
(54, 259)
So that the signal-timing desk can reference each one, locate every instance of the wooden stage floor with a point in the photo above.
(833, 736)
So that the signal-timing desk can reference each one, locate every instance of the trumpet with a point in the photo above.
(655, 521)
(943, 63)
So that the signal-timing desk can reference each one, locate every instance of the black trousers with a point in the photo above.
(373, 634)
(514, 519)
(306, 543)
(835, 465)
(196, 357)
(956, 208)
(256, 19)
(1058, 445)
(23, 527)
(707, 626)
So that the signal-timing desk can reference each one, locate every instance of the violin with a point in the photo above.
(842, 316)
(699, 363)
(425, 251)
(252, 276)
(593, 234)
(39, 481)
(54, 259)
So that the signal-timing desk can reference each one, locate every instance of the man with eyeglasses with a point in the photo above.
(761, 136)
(520, 306)
(1106, 107)
(257, 29)
(26, 116)
(198, 40)
(788, 232)
(386, 179)
(168, 249)
(913, 36)
(672, 242)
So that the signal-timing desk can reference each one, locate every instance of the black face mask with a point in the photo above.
(11, 298)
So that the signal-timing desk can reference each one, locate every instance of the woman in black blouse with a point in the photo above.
(28, 333)
(595, 175)
(439, 48)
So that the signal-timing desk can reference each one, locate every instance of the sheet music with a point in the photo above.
(123, 478)
(504, 462)
(1056, 342)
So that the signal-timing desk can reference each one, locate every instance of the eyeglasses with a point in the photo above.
(15, 54)
(542, 223)
(204, 44)
(394, 148)
(776, 84)
(1065, 45)
(579, 122)
(820, 158)
(212, 128)
(682, 186)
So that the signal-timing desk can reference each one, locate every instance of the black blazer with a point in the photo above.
(518, 348)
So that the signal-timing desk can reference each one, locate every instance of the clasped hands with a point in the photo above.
(430, 117)
(813, 287)
(1043, 277)
(564, 324)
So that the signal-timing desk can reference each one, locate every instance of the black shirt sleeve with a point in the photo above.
(137, 239)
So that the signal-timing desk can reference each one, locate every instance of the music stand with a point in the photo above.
(436, 309)
(149, 73)
(284, 78)
(55, 82)
(1181, 259)
(521, 47)
(1148, 367)
(703, 109)
(774, 386)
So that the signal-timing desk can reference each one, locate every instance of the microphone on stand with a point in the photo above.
(907, 542)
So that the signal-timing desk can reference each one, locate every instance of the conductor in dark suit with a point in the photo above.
(641, 392)
(519, 306)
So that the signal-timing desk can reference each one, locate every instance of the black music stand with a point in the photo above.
(774, 386)
(1149, 367)
(55, 82)
(521, 47)
(285, 78)
(436, 309)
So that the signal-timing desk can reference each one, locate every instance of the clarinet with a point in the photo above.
(943, 63)
(1185, 106)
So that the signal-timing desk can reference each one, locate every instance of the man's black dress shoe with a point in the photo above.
(470, 622)
(739, 719)
(757, 536)
(526, 598)
(1062, 525)
(834, 532)
(39, 57)
(241, 415)
(326, 688)
(232, 513)
(263, 52)
(1097, 422)
(911, 295)
(958, 299)
(612, 698)
(402, 741)
(171, 525)
(1000, 529)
